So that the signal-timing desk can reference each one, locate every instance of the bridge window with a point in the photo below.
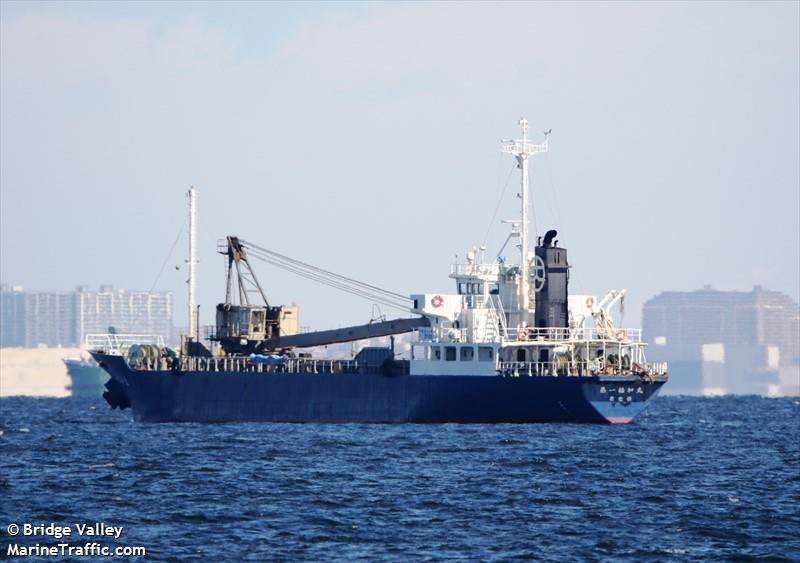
(485, 354)
(467, 354)
(437, 353)
(474, 288)
(450, 353)
(470, 288)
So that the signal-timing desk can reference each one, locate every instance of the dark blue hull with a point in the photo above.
(166, 396)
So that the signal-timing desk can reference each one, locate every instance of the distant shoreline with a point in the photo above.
(35, 372)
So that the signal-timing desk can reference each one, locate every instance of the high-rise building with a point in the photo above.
(13, 318)
(132, 312)
(30, 319)
(725, 341)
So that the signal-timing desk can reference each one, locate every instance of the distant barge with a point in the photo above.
(87, 379)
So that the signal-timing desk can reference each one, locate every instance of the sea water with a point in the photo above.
(690, 479)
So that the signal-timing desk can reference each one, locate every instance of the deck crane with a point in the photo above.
(601, 313)
(244, 326)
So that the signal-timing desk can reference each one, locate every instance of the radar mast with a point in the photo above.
(192, 282)
(522, 150)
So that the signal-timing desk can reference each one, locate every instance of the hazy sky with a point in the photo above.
(364, 138)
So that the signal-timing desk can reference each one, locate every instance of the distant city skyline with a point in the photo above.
(64, 318)
(718, 342)
(365, 139)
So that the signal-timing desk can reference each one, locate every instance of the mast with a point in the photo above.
(522, 150)
(192, 261)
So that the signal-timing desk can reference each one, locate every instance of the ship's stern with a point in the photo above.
(618, 400)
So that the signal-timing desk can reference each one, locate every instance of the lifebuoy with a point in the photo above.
(437, 301)
(590, 302)
(621, 334)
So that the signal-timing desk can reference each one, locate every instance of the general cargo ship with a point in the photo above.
(511, 344)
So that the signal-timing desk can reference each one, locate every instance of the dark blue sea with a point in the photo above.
(691, 479)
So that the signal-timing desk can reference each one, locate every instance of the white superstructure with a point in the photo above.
(487, 326)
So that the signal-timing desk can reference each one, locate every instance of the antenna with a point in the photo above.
(192, 195)
(521, 149)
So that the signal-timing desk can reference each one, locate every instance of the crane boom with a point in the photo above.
(245, 326)
(350, 333)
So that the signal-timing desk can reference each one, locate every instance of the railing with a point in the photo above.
(243, 364)
(520, 147)
(425, 334)
(119, 343)
(623, 335)
(515, 369)
(538, 336)
(581, 368)
(492, 269)
(452, 335)
(658, 368)
(498, 306)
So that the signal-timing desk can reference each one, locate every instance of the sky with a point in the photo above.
(364, 138)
